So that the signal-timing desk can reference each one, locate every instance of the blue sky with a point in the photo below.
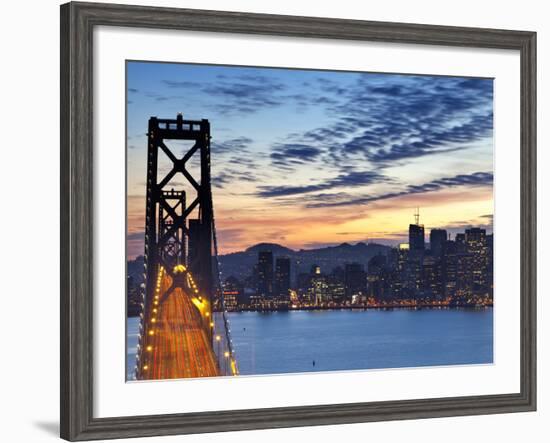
(308, 158)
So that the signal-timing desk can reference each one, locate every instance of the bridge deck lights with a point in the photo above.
(179, 268)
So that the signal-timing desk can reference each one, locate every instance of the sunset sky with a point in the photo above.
(313, 158)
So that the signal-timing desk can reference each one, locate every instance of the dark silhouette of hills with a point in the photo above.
(274, 247)
(240, 264)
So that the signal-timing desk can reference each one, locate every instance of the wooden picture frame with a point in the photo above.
(77, 23)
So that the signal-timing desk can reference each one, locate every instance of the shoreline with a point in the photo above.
(364, 308)
(359, 308)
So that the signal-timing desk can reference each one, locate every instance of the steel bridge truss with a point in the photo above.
(169, 240)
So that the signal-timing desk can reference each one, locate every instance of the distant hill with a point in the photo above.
(274, 247)
(240, 264)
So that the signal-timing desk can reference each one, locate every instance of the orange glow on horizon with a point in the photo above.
(382, 221)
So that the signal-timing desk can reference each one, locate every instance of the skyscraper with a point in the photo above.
(282, 276)
(450, 268)
(265, 273)
(438, 239)
(460, 241)
(355, 279)
(318, 288)
(477, 247)
(416, 234)
(376, 274)
(432, 277)
(490, 263)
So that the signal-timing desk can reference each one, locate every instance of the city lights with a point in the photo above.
(415, 274)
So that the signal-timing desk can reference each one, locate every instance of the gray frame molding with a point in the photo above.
(77, 24)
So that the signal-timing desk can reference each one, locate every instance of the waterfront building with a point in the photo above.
(233, 294)
(490, 264)
(355, 280)
(450, 268)
(265, 274)
(294, 299)
(282, 277)
(318, 287)
(476, 246)
(432, 277)
(230, 300)
(376, 277)
(398, 275)
(302, 281)
(336, 290)
(256, 301)
(413, 271)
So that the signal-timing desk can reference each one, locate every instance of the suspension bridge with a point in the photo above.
(184, 331)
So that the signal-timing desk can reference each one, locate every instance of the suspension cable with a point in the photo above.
(220, 289)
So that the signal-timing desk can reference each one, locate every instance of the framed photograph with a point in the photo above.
(273, 221)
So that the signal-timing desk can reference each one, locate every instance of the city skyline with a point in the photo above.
(448, 273)
(314, 158)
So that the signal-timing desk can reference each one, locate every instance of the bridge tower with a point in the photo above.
(172, 224)
(169, 241)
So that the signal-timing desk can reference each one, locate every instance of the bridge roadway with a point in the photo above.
(180, 346)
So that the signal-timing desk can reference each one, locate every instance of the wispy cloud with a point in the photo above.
(239, 163)
(245, 94)
(289, 155)
(474, 179)
(345, 180)
(236, 145)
